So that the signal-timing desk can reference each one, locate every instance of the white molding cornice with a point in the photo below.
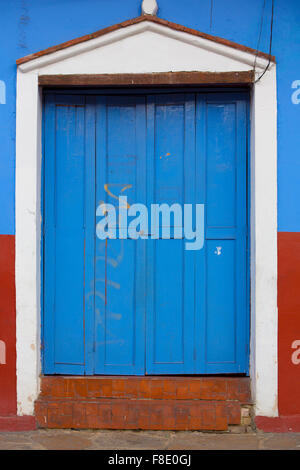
(245, 58)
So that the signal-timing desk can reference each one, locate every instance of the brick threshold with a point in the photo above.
(146, 402)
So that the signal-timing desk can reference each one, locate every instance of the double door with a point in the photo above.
(148, 305)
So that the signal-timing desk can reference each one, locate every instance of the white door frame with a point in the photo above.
(147, 47)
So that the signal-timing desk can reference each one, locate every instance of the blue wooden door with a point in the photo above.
(146, 306)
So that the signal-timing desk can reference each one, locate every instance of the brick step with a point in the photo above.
(157, 414)
(152, 388)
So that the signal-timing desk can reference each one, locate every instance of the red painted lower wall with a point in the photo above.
(289, 323)
(8, 399)
(288, 337)
(280, 424)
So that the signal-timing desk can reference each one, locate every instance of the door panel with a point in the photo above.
(68, 231)
(170, 268)
(120, 264)
(221, 267)
(220, 302)
(221, 164)
(121, 306)
(169, 142)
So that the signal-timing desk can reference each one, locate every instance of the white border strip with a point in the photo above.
(264, 313)
(28, 232)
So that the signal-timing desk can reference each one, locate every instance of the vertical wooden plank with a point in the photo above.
(189, 255)
(49, 234)
(141, 195)
(242, 287)
(90, 234)
(150, 247)
(42, 248)
(200, 256)
(101, 245)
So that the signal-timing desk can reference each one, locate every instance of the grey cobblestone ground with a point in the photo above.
(148, 440)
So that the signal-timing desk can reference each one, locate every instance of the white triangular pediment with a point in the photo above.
(144, 47)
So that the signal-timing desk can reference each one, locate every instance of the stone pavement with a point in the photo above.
(145, 440)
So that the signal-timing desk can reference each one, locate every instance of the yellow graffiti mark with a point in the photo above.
(103, 207)
(128, 186)
(167, 155)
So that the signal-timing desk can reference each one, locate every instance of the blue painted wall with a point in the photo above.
(27, 26)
